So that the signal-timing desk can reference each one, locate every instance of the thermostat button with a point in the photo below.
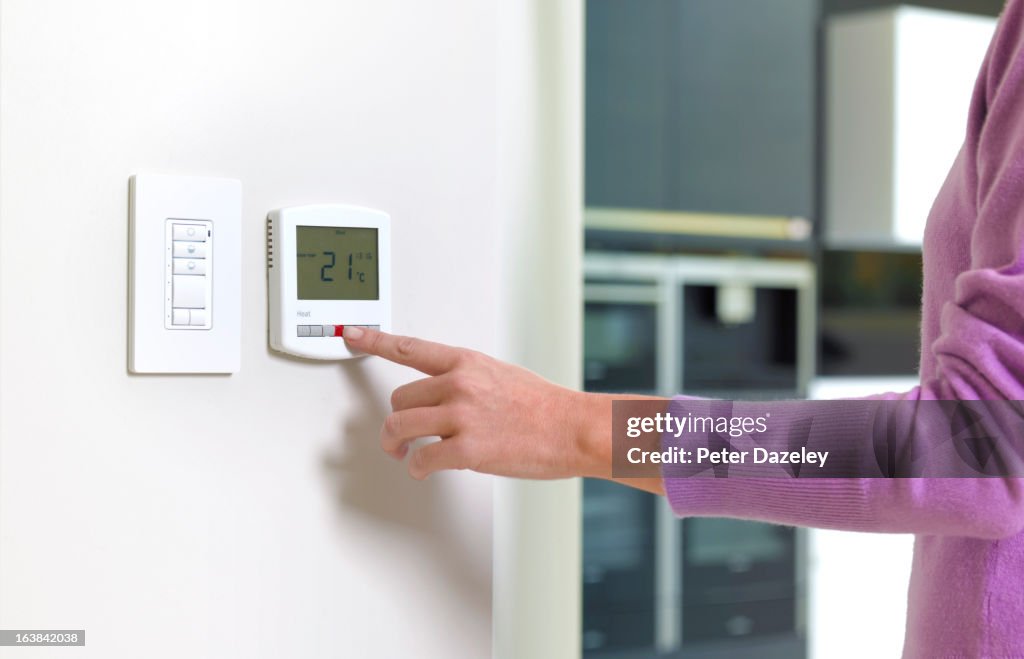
(316, 330)
(303, 330)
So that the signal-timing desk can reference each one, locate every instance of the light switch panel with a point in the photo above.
(185, 274)
(188, 284)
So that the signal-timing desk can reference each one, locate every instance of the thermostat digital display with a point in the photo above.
(328, 266)
(337, 263)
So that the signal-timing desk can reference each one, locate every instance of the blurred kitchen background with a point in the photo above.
(758, 175)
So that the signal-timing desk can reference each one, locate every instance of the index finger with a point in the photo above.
(425, 356)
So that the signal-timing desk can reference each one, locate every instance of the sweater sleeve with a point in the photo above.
(978, 353)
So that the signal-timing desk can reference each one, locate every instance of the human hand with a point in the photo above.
(492, 417)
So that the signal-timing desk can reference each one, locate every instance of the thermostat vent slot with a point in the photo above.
(270, 243)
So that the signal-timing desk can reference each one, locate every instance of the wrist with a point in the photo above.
(594, 439)
(592, 434)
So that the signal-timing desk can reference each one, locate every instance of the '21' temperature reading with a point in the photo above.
(355, 259)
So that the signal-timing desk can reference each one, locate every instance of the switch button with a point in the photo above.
(189, 292)
(189, 266)
(190, 232)
(189, 250)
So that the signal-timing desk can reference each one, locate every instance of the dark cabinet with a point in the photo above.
(702, 105)
(987, 7)
(710, 105)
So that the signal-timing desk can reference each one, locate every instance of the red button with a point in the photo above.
(339, 330)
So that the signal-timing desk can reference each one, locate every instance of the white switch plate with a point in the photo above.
(153, 345)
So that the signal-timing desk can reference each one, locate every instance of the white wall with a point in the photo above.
(858, 598)
(857, 582)
(250, 515)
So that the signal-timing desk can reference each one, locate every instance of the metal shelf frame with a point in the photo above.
(658, 280)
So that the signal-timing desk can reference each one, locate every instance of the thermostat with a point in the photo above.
(328, 266)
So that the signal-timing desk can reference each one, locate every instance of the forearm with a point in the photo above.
(928, 498)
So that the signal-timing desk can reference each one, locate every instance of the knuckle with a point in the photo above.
(471, 452)
(459, 460)
(457, 415)
(406, 346)
(393, 424)
(417, 466)
(387, 443)
(461, 382)
(467, 357)
(375, 342)
(462, 455)
(458, 381)
(396, 398)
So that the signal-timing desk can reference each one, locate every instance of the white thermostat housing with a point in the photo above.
(328, 266)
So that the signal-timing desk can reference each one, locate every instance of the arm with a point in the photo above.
(492, 417)
(500, 419)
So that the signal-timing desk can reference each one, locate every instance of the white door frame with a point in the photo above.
(537, 525)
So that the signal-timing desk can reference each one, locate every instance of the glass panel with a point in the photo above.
(738, 579)
(713, 542)
(618, 568)
(727, 360)
(619, 343)
(870, 313)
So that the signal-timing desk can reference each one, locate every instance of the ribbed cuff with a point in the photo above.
(743, 491)
(838, 503)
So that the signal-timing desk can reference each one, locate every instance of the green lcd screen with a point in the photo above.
(337, 263)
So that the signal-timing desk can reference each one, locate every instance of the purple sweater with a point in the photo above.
(966, 594)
